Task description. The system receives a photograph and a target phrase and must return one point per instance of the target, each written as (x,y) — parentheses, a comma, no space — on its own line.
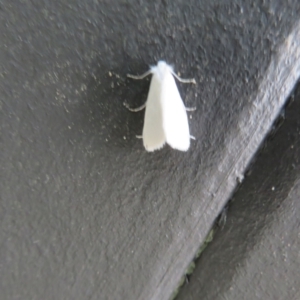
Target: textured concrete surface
(85,212)
(257,253)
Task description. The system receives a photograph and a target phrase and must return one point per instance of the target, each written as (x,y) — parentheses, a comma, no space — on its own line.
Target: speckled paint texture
(86,212)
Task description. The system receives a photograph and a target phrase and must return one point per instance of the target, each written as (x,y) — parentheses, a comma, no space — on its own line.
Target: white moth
(166,119)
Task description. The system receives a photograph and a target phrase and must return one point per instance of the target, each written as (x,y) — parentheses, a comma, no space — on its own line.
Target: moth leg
(192,80)
(139,76)
(190,108)
(139,136)
(135,109)
(192,137)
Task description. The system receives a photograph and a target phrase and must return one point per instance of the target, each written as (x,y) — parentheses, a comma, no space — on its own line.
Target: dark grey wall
(256,254)
(85,212)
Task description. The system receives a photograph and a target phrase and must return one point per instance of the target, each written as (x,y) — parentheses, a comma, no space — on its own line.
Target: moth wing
(175,120)
(153,133)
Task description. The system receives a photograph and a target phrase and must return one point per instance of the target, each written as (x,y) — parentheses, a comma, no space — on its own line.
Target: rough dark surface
(257,253)
(85,212)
